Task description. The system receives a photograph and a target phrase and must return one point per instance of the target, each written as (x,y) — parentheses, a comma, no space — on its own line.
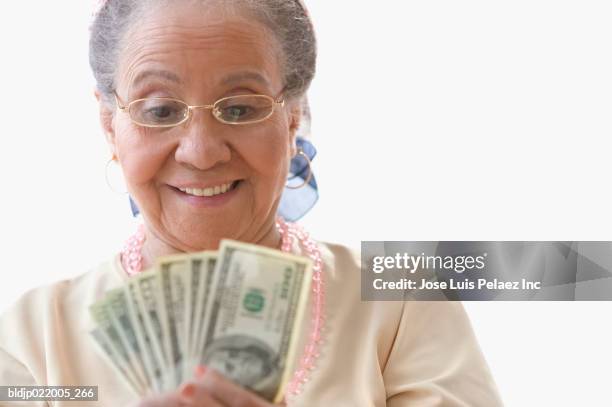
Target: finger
(194,394)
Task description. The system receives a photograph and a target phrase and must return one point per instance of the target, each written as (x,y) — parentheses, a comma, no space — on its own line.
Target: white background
(435,120)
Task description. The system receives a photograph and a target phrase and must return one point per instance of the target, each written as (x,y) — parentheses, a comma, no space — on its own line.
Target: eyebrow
(141,76)
(245,75)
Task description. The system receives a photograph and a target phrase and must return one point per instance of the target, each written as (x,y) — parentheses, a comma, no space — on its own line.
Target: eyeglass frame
(126,109)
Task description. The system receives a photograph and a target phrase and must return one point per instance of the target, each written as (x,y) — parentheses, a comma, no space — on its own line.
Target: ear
(295,119)
(107,122)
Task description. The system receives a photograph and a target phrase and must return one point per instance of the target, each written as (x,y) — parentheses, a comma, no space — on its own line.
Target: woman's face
(200,57)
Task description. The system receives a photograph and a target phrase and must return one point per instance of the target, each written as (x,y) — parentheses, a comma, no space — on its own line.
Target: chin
(206,234)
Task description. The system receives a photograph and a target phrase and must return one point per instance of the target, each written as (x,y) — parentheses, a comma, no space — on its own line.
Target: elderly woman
(201,102)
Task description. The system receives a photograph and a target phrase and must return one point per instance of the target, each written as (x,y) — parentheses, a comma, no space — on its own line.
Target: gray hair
(287,19)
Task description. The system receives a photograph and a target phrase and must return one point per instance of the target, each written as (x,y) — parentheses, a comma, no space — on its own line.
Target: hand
(208,389)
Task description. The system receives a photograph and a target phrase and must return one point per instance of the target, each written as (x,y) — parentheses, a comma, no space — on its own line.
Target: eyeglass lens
(168,112)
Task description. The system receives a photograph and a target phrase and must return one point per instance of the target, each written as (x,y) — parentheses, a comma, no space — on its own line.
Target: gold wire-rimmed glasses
(163,112)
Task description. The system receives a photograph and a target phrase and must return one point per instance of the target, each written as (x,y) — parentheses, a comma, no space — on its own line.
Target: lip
(206,201)
(209,184)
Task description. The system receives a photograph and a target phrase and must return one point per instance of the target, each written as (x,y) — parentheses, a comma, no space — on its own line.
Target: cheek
(141,157)
(268,155)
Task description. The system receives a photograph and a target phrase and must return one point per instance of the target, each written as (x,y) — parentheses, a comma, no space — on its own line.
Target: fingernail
(188,391)
(199,371)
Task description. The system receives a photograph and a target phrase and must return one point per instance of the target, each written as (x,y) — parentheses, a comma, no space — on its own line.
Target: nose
(202,144)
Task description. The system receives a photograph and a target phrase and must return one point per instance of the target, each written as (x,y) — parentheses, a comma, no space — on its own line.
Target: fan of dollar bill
(237,311)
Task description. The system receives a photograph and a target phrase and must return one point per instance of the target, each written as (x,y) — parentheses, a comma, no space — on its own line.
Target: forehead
(199,45)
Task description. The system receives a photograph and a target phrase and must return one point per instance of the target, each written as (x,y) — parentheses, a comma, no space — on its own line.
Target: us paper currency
(118,311)
(254,313)
(154,359)
(204,264)
(151,306)
(108,339)
(173,273)
(237,311)
(121,366)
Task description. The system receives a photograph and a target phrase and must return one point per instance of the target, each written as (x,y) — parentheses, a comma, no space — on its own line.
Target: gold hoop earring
(309,177)
(112,159)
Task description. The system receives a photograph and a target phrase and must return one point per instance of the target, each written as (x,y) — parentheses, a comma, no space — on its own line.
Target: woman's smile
(216,195)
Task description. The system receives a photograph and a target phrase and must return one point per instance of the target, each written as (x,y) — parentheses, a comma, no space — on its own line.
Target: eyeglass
(170,112)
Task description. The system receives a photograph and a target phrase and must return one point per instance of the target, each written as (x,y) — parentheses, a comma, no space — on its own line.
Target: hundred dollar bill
(153,359)
(126,325)
(199,282)
(121,366)
(173,272)
(152,309)
(254,314)
(109,339)
(203,293)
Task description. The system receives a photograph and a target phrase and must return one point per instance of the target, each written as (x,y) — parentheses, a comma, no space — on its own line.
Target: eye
(243,108)
(236,113)
(159,111)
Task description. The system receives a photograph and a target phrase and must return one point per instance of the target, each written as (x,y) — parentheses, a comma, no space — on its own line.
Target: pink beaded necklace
(131,260)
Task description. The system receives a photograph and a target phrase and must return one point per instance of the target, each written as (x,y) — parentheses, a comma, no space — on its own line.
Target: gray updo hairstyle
(287,19)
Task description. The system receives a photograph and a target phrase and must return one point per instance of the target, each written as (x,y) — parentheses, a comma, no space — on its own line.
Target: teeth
(212,191)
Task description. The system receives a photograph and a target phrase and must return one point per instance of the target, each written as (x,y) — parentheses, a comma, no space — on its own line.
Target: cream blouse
(392,354)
